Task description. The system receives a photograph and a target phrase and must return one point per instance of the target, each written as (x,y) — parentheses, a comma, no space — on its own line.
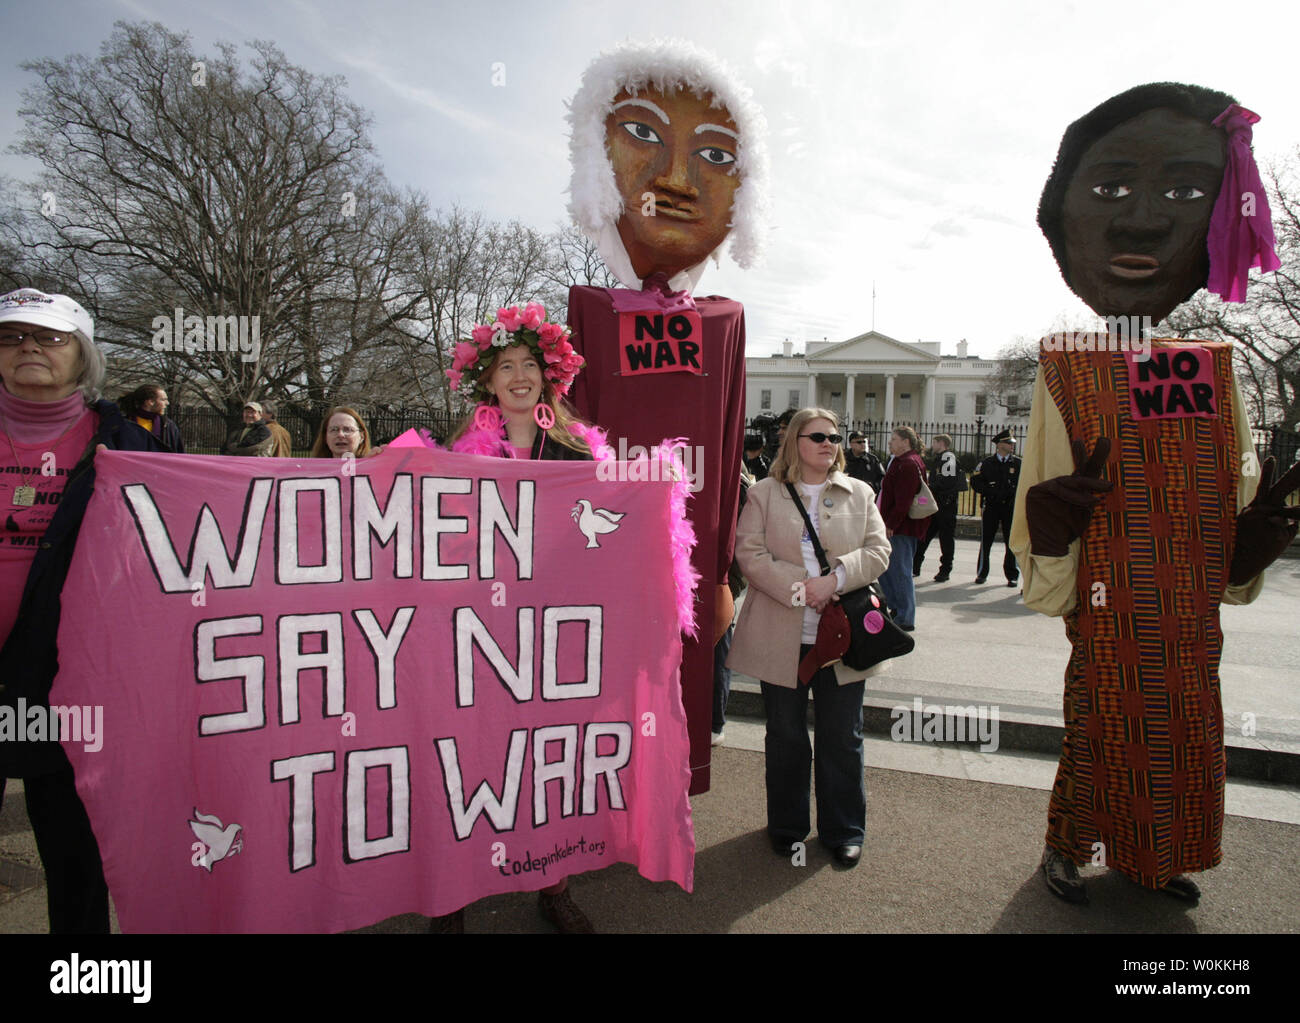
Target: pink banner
(336,691)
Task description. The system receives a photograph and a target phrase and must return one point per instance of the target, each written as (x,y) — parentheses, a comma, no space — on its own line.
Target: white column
(927,412)
(848,399)
(812,391)
(888,414)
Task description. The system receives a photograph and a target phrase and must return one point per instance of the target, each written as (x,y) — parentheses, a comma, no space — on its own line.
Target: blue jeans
(897,580)
(721,678)
(841,789)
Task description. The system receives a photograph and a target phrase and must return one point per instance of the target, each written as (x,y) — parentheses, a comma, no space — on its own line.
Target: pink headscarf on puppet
(1241,226)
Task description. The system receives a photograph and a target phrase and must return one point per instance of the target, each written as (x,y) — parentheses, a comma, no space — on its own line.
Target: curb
(1247,762)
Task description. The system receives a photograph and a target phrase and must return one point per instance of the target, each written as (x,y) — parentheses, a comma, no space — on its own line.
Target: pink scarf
(1241,226)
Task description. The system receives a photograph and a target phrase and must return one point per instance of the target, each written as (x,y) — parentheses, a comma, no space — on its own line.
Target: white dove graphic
(594,521)
(220,841)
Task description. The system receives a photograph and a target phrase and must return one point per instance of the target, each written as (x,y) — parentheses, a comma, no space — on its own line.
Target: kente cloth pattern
(1142,764)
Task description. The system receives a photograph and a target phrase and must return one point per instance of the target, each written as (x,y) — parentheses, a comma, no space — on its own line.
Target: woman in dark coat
(50,374)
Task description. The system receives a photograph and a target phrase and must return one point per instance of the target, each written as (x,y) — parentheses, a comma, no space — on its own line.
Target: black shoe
(784,846)
(563,913)
(916,573)
(942,577)
(848,856)
(1184,888)
(1013,582)
(981,579)
(452,923)
(907,628)
(1062,877)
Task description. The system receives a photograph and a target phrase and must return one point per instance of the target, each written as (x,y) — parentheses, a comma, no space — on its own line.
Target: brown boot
(564,913)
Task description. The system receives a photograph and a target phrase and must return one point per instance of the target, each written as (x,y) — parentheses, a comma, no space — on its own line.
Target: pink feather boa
(477,441)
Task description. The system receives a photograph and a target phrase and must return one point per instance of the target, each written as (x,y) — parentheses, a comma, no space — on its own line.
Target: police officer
(946,482)
(862,464)
(995,481)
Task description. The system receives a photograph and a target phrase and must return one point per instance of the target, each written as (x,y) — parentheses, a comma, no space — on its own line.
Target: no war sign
(334,696)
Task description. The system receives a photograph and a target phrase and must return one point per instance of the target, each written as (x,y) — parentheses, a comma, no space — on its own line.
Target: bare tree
(179,182)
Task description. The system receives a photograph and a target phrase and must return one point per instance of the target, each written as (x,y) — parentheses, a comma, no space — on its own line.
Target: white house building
(878,378)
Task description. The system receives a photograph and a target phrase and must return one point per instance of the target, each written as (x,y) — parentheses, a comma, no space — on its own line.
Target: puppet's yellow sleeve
(1049,583)
(1246,487)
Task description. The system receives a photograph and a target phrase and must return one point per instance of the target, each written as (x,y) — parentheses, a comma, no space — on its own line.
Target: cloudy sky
(909,141)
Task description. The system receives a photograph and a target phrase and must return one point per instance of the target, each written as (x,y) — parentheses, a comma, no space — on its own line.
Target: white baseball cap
(58,312)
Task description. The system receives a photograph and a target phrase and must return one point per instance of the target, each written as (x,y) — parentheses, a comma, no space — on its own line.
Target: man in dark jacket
(946,482)
(756,462)
(862,464)
(253,438)
(995,480)
(146,406)
(77,892)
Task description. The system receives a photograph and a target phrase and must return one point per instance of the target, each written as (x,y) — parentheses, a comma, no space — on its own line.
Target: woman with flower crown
(519,368)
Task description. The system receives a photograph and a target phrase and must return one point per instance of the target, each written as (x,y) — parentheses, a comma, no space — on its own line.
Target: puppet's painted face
(682,151)
(1137,212)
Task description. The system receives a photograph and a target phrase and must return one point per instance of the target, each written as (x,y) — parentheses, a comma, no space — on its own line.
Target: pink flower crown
(548,341)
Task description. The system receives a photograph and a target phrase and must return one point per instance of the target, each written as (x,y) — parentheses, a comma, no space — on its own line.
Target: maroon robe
(708,409)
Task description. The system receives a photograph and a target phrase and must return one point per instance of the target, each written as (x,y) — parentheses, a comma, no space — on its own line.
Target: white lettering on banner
(209,554)
(301,773)
(294,660)
(395,764)
(368,519)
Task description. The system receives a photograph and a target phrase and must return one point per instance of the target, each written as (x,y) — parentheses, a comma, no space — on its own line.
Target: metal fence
(205,429)
(972,442)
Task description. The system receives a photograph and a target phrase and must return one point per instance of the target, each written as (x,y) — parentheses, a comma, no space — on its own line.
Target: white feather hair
(662,65)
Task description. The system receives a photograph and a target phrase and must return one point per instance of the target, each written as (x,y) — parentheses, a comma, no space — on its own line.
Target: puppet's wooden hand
(1265,526)
(1058,509)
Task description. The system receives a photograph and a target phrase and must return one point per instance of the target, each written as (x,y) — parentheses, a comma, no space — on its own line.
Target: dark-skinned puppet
(668,160)
(1142,505)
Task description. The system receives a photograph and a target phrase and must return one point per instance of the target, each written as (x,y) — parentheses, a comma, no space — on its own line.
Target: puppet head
(1133,208)
(668,159)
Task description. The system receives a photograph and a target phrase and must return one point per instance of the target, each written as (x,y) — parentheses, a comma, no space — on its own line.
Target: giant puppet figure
(668,160)
(1142,505)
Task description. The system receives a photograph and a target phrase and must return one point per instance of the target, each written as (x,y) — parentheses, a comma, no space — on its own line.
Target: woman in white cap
(51,422)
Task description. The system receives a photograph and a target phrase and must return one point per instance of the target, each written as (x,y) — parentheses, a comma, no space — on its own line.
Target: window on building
(981,404)
(794,400)
(949,405)
(905,404)
(765,400)
(869,404)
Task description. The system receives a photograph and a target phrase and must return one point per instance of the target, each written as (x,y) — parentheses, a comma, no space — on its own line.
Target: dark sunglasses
(822,438)
(13,338)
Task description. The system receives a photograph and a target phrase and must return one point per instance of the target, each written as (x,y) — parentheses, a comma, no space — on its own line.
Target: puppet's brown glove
(1057,510)
(1266,525)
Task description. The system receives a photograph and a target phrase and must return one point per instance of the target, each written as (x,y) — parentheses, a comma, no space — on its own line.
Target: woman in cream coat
(778,625)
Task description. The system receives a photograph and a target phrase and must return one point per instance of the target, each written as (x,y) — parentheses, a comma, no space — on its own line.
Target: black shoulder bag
(858,629)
